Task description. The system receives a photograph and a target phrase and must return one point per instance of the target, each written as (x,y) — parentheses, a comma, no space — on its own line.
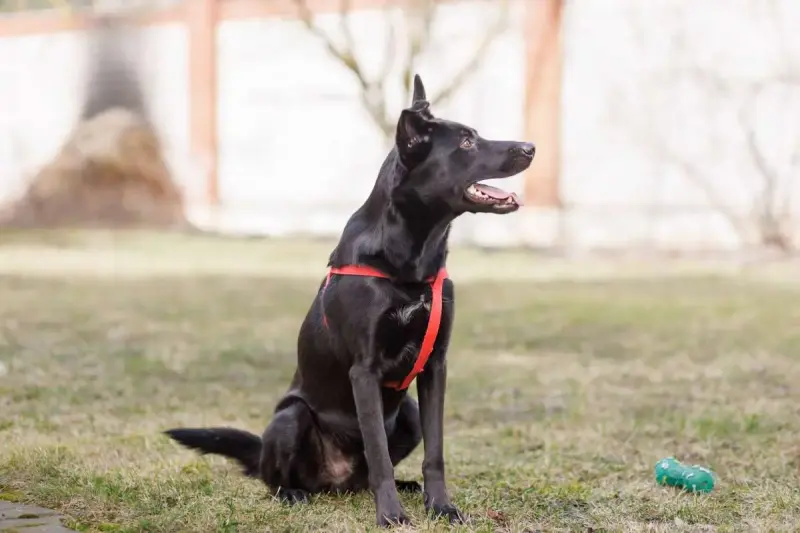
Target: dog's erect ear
(419,90)
(413,137)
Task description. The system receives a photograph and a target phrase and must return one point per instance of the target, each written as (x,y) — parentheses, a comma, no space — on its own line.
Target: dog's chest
(404,324)
(404,314)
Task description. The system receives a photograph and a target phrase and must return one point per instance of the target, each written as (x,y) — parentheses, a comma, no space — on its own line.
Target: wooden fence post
(543,101)
(201,21)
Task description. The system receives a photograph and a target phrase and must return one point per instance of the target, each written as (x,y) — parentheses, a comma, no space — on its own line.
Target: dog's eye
(467,143)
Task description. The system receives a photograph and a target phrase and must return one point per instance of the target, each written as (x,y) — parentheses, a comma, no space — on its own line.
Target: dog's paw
(448,511)
(393,519)
(293,496)
(407,486)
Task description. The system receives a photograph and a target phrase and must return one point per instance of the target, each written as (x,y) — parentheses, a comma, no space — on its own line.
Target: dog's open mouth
(481,194)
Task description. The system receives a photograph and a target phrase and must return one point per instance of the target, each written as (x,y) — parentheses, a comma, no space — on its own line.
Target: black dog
(384,312)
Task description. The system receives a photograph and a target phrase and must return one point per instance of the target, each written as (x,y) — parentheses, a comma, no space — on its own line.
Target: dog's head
(446,161)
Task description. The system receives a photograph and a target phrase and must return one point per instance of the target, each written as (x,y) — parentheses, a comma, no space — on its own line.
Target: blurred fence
(666,124)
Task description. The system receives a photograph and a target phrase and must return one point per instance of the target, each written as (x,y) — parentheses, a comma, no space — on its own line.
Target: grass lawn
(562,395)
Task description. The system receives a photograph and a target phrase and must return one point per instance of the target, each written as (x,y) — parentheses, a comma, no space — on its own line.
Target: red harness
(434,321)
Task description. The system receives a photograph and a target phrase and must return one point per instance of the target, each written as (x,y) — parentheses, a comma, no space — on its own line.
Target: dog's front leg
(431,386)
(369,407)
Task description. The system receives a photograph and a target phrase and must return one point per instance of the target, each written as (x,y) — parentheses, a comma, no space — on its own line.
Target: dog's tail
(242,446)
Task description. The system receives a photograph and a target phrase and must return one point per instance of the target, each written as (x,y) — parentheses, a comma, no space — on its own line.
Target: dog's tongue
(497,194)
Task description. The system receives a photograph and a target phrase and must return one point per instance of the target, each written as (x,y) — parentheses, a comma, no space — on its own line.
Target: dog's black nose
(526,149)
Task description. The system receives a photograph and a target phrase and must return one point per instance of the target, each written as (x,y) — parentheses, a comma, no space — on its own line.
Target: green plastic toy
(694,478)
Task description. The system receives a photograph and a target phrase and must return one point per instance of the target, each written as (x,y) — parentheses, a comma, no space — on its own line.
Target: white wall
(41,83)
(299,154)
(643,125)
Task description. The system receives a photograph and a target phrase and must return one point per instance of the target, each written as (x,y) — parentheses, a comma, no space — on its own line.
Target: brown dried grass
(110,173)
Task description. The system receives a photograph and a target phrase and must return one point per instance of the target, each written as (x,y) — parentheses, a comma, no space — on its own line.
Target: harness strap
(434,321)
(350,270)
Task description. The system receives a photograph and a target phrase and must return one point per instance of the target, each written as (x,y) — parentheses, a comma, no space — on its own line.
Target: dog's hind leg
(405,438)
(290,460)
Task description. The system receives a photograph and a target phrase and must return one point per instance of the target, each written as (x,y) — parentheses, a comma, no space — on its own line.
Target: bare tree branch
(373,102)
(771,206)
(643,130)
(788,198)
(419,17)
(700,180)
(771,177)
(390,50)
(789,78)
(477,58)
(768,215)
(344,25)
